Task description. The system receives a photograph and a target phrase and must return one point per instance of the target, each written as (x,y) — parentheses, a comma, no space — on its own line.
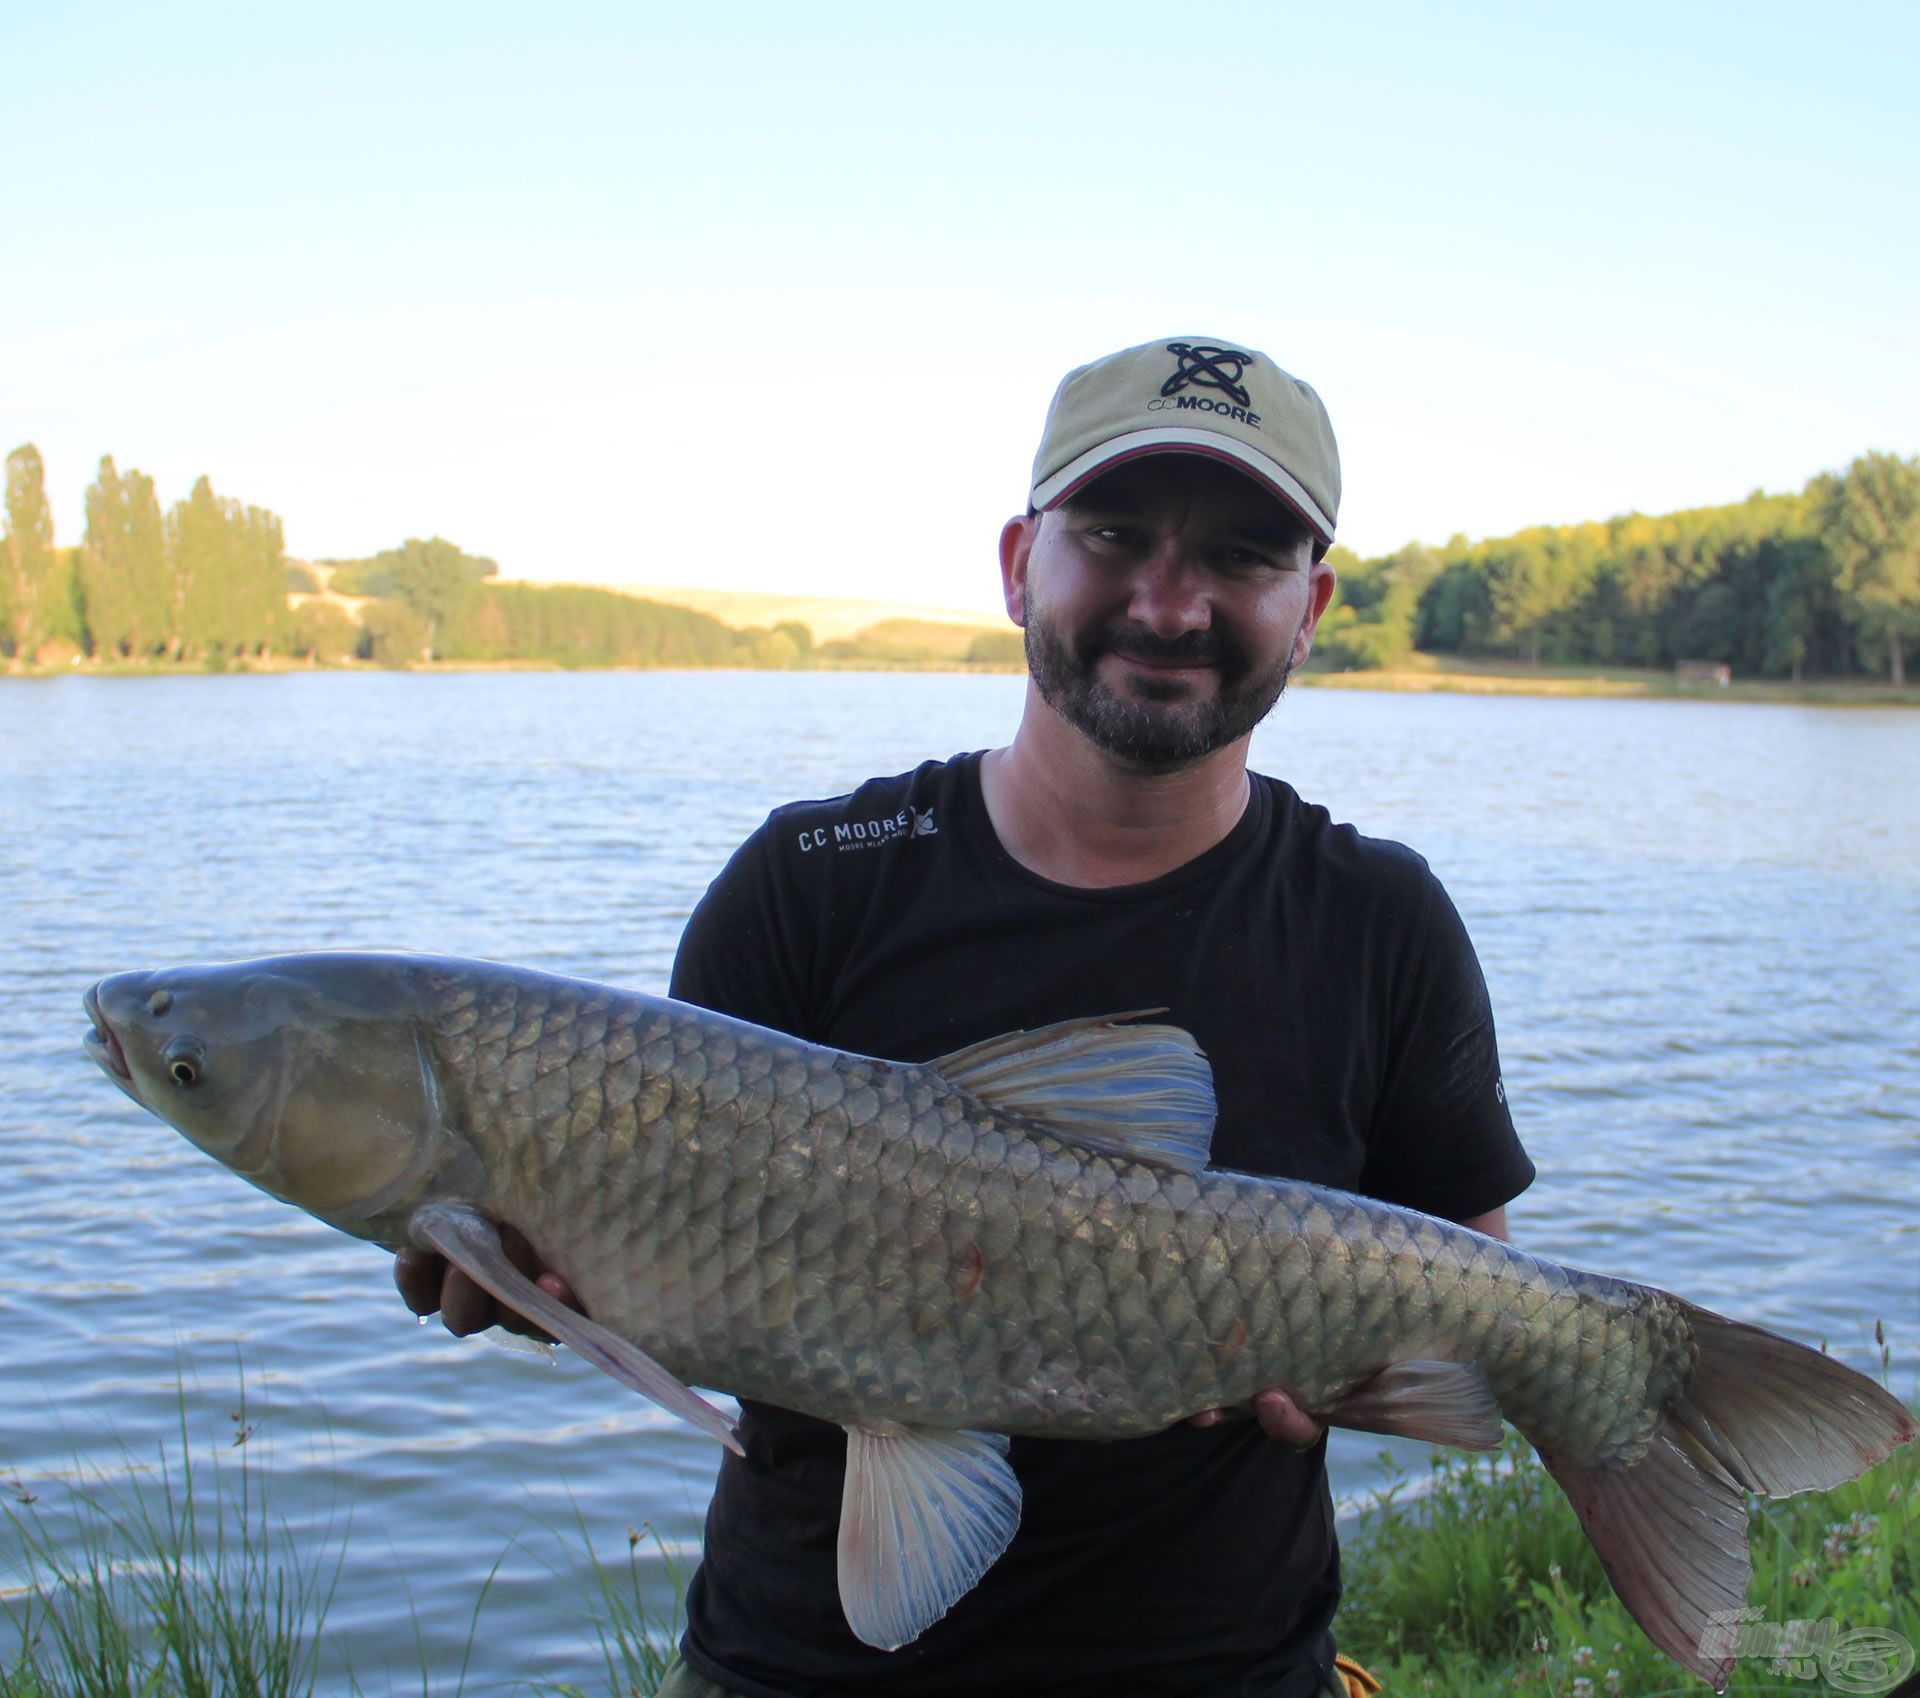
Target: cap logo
(1203,367)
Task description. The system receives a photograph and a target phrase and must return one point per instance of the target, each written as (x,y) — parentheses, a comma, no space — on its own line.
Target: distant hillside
(829,618)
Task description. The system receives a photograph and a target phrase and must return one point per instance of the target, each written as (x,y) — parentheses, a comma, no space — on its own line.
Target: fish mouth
(102,1043)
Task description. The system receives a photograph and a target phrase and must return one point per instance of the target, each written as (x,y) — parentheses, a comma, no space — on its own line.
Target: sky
(774,298)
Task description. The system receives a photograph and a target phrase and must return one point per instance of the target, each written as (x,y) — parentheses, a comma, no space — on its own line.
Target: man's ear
(1016,543)
(1321,581)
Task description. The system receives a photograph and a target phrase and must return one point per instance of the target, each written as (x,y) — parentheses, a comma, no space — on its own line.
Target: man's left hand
(1279,1417)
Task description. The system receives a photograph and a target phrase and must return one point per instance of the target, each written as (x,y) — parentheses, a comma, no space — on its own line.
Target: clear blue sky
(775,297)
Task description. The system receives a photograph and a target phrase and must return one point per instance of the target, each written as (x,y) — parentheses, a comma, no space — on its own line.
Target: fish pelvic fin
(924,1513)
(1758,1414)
(472,1243)
(1136,1092)
(1440,1402)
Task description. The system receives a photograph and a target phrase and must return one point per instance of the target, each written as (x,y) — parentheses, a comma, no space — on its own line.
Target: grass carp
(1019,1238)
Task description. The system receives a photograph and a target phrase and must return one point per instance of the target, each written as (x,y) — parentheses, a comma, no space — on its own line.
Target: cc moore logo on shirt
(868,833)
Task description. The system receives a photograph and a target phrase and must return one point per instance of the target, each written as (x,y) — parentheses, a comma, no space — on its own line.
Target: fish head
(309,1076)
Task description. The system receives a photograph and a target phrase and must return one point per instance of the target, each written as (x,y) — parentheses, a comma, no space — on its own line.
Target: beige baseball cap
(1193,395)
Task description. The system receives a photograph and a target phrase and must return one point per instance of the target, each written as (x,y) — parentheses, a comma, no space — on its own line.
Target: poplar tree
(103,574)
(124,576)
(198,548)
(28,565)
(149,571)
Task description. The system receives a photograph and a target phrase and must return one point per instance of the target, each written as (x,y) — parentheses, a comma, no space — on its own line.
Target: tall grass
(637,1636)
(175,1579)
(174,1582)
(1472,1582)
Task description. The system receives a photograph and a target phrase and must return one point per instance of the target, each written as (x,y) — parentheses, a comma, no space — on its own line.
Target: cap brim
(1138,444)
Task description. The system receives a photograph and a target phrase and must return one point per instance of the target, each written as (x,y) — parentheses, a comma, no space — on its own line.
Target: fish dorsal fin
(1141,1093)
(925,1512)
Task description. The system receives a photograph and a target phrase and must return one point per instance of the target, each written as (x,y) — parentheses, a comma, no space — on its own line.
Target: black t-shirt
(1333,988)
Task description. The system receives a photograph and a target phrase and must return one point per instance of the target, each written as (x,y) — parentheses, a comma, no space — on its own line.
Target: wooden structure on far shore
(1703,672)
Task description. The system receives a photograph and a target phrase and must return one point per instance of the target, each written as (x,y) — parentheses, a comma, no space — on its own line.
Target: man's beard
(1158,735)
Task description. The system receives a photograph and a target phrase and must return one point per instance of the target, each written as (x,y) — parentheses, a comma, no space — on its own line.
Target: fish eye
(184,1059)
(159,1003)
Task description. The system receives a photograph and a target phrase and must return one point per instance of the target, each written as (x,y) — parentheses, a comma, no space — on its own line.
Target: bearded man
(1115,855)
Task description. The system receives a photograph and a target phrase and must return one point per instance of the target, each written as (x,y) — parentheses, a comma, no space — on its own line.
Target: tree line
(205,580)
(208,582)
(1823,582)
(1777,586)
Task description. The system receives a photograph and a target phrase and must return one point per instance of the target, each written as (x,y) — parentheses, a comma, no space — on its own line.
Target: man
(1169,575)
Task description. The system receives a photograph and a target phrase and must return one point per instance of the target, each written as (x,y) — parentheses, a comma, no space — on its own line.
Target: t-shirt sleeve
(748,947)
(1442,1139)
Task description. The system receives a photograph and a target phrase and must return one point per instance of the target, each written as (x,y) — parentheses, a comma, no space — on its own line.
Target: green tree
(1870,516)
(103,583)
(391,632)
(434,578)
(229,565)
(124,575)
(1534,579)
(1376,607)
(198,549)
(321,632)
(28,566)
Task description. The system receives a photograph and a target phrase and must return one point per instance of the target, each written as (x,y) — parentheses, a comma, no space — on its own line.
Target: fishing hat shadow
(1193,396)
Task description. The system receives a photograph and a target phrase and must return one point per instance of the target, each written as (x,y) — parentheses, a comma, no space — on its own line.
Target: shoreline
(1487,678)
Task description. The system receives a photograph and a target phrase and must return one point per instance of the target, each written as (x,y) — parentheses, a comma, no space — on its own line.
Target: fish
(1021,1238)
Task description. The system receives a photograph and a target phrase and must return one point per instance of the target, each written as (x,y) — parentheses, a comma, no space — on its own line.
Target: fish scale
(1021,1238)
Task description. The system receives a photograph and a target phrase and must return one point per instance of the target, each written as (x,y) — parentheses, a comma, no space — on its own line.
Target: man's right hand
(430,1284)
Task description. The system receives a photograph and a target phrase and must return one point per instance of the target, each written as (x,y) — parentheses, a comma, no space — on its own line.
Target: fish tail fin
(1759,1414)
(1780,1418)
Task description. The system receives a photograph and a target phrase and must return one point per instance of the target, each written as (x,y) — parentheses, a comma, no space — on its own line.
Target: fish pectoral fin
(1141,1093)
(472,1243)
(1440,1402)
(924,1513)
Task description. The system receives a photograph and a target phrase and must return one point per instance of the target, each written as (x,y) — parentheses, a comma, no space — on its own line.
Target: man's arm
(1493,1223)
(1283,1419)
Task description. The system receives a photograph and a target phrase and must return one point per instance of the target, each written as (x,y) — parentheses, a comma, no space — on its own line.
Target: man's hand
(430,1283)
(1279,1417)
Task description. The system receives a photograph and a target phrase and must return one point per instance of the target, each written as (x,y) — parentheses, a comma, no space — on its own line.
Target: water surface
(1700,923)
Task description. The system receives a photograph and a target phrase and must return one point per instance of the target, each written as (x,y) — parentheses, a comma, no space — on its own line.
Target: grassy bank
(1482,1583)
(1470,1582)
(1454,674)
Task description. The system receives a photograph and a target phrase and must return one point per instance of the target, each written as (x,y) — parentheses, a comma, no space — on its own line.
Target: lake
(1700,923)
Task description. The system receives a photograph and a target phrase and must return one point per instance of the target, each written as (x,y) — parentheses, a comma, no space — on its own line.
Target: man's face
(1164,606)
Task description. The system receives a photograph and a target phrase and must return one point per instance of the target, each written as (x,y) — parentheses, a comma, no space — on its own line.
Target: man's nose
(1170,595)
